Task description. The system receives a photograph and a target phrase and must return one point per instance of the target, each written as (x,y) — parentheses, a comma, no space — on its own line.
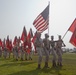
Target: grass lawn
(12,67)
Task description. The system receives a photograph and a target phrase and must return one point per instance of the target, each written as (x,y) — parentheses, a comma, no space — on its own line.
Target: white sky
(15,14)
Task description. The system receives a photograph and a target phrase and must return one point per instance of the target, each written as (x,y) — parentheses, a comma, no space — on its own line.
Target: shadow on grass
(46,71)
(33,72)
(53,70)
(19,63)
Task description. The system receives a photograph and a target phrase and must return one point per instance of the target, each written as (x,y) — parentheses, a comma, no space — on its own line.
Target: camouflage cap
(59,36)
(38,32)
(46,35)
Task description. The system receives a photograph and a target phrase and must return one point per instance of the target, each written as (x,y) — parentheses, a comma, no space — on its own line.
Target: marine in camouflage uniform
(46,47)
(29,49)
(0,48)
(4,49)
(59,51)
(39,48)
(25,48)
(53,51)
(0,51)
(16,47)
(22,52)
(13,51)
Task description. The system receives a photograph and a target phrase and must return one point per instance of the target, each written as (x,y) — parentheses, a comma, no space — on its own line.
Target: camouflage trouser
(5,53)
(0,53)
(17,55)
(22,54)
(14,52)
(8,53)
(46,55)
(26,55)
(40,54)
(59,53)
(54,55)
(30,55)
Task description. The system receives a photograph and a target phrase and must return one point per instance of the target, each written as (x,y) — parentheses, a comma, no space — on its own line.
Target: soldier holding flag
(46,44)
(59,46)
(29,49)
(22,51)
(39,48)
(7,46)
(0,48)
(53,50)
(25,47)
(4,49)
(16,47)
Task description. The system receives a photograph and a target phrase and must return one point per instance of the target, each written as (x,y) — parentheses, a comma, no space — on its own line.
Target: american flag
(42,20)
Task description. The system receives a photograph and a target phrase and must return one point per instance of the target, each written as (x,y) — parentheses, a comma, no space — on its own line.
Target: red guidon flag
(33,40)
(42,21)
(7,42)
(73,38)
(73,26)
(0,43)
(3,44)
(24,34)
(30,34)
(15,39)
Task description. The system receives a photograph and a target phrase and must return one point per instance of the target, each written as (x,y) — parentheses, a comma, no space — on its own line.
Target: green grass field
(12,67)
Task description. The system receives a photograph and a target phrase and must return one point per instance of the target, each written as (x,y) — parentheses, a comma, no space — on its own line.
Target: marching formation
(43,47)
(19,50)
(49,46)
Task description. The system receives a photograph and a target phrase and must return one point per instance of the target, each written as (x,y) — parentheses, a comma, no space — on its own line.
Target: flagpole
(69,28)
(65,34)
(48,16)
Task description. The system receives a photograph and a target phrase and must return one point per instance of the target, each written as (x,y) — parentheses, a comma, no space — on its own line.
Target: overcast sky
(15,14)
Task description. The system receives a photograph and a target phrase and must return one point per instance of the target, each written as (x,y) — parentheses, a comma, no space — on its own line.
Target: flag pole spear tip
(49,2)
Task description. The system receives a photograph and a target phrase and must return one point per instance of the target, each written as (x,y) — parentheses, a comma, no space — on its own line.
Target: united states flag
(42,20)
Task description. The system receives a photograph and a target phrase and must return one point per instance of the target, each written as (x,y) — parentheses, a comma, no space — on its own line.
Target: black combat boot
(46,65)
(16,59)
(61,64)
(58,64)
(54,64)
(39,66)
(22,59)
(9,56)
